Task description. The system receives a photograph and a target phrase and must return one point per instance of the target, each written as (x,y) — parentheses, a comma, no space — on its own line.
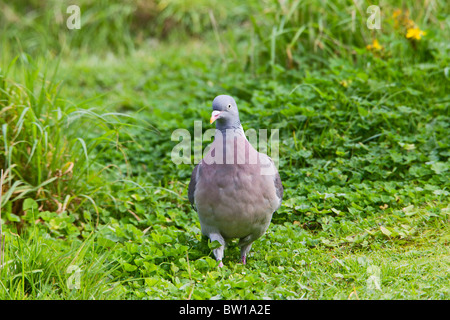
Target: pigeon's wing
(278,187)
(192,184)
(276,180)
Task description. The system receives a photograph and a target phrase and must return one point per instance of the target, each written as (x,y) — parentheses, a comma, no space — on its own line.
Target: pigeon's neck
(224,126)
(231,146)
(230,131)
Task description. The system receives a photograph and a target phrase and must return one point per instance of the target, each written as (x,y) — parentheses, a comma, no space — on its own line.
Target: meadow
(93,207)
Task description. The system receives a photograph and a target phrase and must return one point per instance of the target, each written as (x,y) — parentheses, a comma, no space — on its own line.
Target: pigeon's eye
(229,106)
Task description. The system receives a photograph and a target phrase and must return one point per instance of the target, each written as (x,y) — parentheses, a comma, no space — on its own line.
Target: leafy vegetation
(92,206)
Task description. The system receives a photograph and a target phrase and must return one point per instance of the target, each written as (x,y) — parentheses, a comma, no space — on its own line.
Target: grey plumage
(191,188)
(234,189)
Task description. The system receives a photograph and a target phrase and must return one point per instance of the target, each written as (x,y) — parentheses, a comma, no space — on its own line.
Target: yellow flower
(415,33)
(345,83)
(375,45)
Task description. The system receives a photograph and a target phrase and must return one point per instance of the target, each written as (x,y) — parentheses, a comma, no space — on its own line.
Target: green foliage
(43,153)
(85,145)
(39,267)
(292,34)
(112,25)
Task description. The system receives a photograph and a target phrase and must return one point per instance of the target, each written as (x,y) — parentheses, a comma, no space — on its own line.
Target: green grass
(85,147)
(42,268)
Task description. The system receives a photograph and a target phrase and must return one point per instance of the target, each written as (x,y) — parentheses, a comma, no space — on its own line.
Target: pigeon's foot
(244,260)
(220,264)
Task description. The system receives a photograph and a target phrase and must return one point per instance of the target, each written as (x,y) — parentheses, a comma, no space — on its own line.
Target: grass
(44,157)
(90,186)
(45,269)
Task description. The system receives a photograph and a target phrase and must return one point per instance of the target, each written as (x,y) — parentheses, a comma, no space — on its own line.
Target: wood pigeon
(234,189)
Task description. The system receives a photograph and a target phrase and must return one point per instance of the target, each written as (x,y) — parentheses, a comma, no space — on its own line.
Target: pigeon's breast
(238,198)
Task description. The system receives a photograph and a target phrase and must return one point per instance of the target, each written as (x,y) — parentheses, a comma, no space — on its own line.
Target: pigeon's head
(225,113)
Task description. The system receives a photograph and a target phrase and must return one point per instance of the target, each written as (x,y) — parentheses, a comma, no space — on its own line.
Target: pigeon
(234,189)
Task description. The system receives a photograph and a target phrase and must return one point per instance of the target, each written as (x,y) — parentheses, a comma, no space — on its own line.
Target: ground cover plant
(93,207)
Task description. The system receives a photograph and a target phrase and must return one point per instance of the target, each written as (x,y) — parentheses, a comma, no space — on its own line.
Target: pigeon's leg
(245,244)
(218,253)
(244,251)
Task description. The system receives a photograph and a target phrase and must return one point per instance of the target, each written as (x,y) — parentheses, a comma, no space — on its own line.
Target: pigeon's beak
(215,114)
